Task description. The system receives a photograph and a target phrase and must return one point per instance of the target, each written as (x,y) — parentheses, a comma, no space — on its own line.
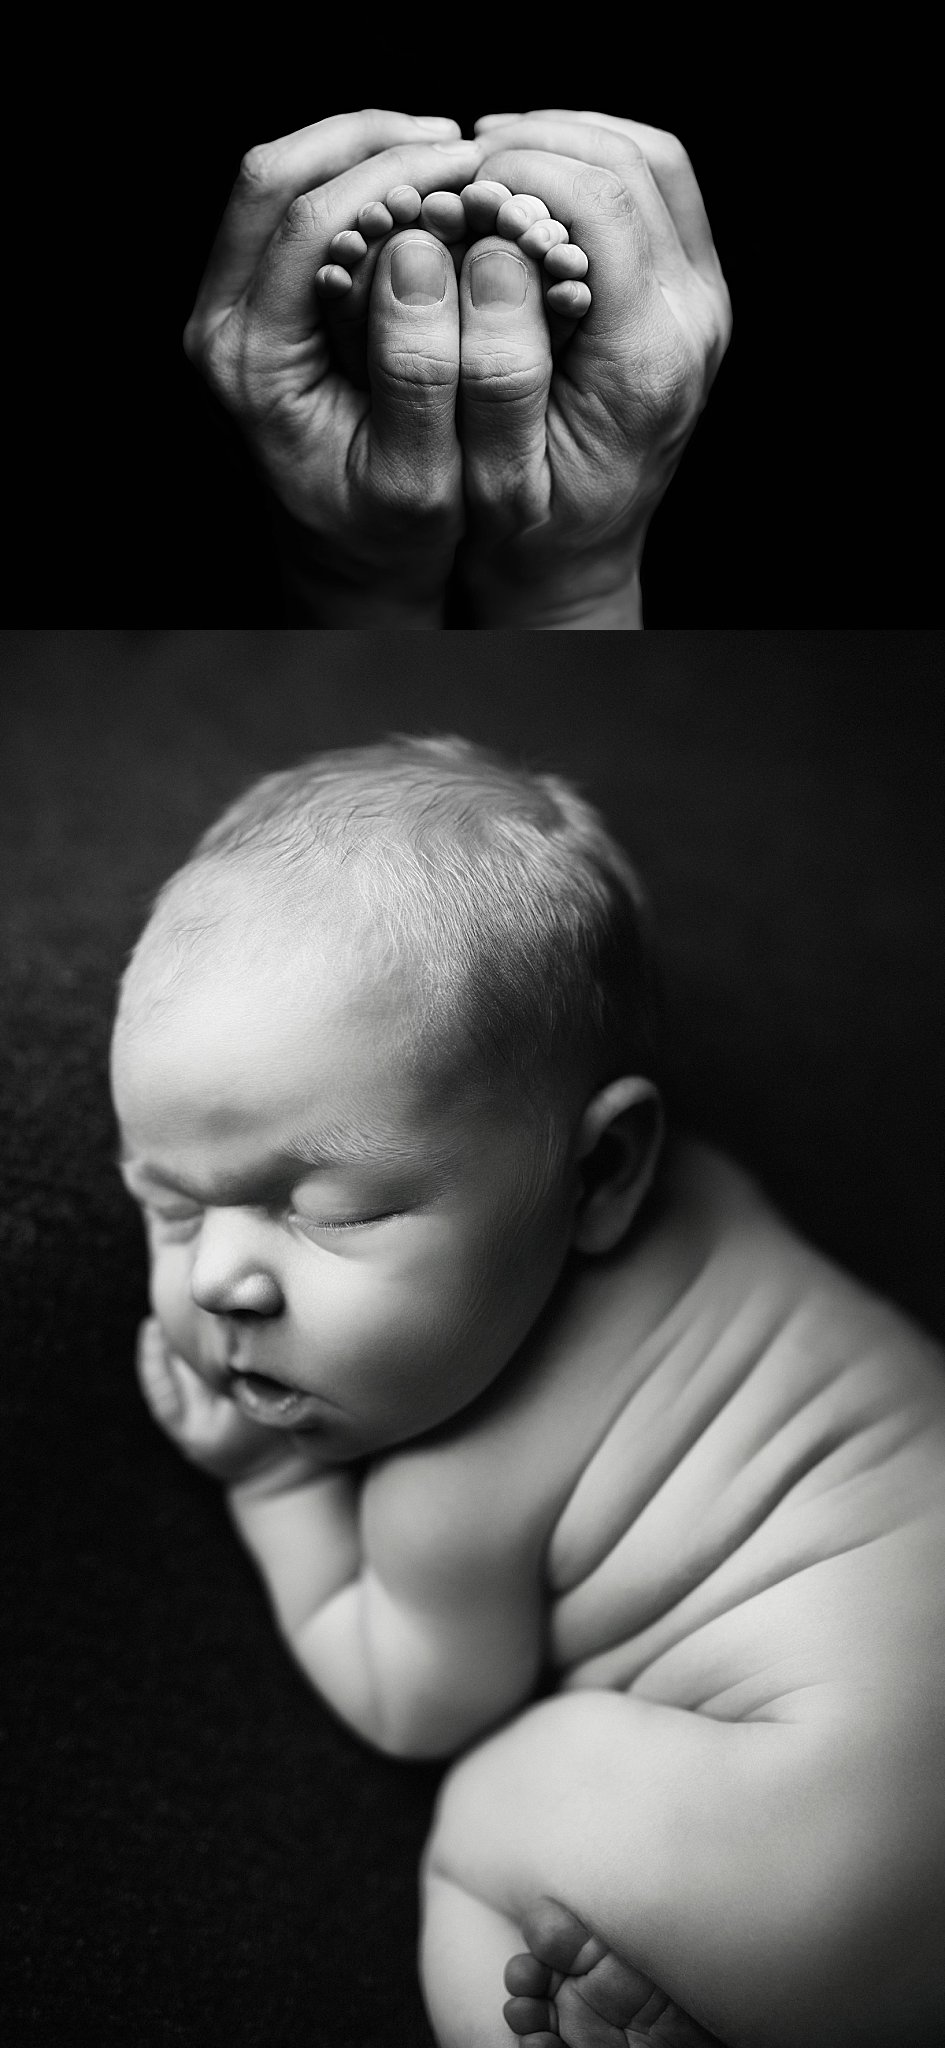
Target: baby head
(383,1059)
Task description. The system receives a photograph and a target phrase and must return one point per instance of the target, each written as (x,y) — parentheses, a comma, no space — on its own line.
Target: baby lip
(271,1401)
(263,1381)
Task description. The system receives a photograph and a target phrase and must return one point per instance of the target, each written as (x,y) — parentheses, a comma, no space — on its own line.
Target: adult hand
(371,480)
(562,479)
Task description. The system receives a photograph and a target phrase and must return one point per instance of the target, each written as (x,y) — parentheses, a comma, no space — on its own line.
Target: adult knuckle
(668,152)
(259,170)
(194,341)
(201,347)
(300,219)
(724,321)
(631,154)
(217,355)
(605,190)
(504,376)
(416,374)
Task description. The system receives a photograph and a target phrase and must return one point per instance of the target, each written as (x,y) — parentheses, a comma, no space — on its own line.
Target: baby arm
(418,1642)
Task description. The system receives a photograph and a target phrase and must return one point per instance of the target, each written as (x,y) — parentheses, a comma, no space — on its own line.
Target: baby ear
(618,1145)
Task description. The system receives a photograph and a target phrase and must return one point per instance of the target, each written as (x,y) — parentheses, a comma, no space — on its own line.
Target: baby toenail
(418,273)
(497,278)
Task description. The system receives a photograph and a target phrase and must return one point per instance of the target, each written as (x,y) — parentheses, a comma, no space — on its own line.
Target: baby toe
(403,204)
(332,281)
(348,247)
(569,297)
(520,212)
(542,236)
(526,1977)
(530,2016)
(374,220)
(565,259)
(559,1939)
(481,203)
(445,215)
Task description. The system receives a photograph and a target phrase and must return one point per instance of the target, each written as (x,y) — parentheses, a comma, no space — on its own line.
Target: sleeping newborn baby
(553,1444)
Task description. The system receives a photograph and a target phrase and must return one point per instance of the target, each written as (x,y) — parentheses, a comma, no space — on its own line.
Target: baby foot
(491,209)
(571,1991)
(343,284)
(354,251)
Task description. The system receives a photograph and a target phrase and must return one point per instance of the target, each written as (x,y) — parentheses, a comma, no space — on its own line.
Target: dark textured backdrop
(194,1851)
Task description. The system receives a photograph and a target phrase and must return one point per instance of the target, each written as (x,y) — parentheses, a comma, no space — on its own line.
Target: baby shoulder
(445,1515)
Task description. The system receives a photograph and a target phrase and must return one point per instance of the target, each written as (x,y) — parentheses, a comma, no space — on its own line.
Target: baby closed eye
(316,1225)
(178,1224)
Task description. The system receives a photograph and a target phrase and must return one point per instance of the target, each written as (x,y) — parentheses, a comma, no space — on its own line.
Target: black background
(193,1851)
(802,500)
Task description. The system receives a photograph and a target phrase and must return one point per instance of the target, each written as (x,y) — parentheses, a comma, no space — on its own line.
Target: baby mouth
(268,1400)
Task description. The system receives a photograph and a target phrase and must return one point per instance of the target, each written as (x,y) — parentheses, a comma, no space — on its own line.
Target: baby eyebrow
(222,1194)
(271,1183)
(135,1171)
(333,1150)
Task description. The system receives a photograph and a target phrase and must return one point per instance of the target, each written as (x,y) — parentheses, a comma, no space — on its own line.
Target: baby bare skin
(697,1482)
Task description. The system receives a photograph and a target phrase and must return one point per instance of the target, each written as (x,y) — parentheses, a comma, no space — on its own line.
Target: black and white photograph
(709,401)
(472,1194)
(474,1401)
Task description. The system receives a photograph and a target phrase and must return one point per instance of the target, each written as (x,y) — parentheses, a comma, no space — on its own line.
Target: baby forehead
(280,1012)
(273,998)
(240,927)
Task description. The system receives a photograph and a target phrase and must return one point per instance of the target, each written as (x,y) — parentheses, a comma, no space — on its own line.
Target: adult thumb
(413,369)
(504,381)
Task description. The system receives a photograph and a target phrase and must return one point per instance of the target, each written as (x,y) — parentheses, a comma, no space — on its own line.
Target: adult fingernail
(418,272)
(498,278)
(437,124)
(461,148)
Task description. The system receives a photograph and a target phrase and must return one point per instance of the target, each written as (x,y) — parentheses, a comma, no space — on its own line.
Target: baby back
(760,1525)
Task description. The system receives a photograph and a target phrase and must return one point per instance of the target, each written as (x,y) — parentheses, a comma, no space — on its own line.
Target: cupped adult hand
(371,481)
(562,479)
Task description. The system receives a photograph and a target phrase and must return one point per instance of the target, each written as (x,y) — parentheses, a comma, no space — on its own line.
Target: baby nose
(229,1280)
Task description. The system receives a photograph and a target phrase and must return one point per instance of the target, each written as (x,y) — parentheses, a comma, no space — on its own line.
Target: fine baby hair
(525,928)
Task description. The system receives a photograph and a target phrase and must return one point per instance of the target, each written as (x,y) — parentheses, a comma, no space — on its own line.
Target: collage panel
(474,1404)
(726,355)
